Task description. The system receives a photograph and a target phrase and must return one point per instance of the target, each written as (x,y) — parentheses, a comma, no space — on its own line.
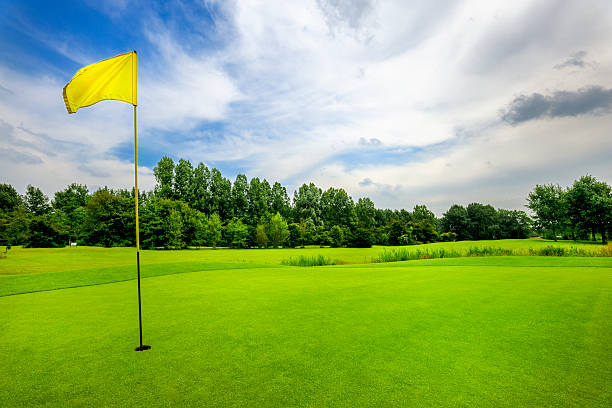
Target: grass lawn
(235,328)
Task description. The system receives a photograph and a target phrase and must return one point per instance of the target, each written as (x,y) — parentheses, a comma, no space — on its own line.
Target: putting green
(508,331)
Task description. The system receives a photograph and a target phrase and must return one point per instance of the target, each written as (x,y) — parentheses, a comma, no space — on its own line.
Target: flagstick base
(142,348)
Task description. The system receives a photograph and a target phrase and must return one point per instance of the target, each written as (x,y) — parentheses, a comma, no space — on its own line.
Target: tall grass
(301,260)
(403,254)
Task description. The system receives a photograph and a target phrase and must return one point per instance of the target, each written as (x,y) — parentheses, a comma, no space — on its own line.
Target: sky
(405,102)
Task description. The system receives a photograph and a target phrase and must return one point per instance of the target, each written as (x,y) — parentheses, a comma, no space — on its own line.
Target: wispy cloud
(575,60)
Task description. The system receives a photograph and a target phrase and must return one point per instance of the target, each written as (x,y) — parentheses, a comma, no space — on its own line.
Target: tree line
(196,206)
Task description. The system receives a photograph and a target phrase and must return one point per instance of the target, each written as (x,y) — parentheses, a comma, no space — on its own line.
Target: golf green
(498,331)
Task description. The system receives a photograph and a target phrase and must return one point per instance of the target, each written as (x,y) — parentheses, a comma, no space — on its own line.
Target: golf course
(232,327)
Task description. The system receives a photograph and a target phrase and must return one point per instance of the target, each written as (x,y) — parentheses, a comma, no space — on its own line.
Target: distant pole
(141,347)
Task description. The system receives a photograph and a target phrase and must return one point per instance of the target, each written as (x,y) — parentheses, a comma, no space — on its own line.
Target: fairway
(235,328)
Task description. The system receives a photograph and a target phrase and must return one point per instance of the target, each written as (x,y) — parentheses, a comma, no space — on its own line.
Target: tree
(337,237)
(183,181)
(72,201)
(277,230)
(201,200)
(220,194)
(240,199)
(280,202)
(15,226)
(589,205)
(9,198)
(513,224)
(482,221)
(48,231)
(261,238)
(164,174)
(71,198)
(456,220)
(36,201)
(337,208)
(307,204)
(365,212)
(110,220)
(549,204)
(396,229)
(237,233)
(421,213)
(361,238)
(215,228)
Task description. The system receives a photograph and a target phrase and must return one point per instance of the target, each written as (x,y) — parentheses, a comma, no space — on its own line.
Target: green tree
(307,204)
(201,200)
(174,230)
(215,229)
(277,230)
(15,226)
(337,208)
(261,238)
(237,233)
(456,220)
(183,182)
(513,224)
(10,200)
(110,220)
(366,213)
(589,205)
(73,201)
(549,204)
(258,200)
(482,221)
(164,175)
(280,202)
(240,199)
(337,236)
(48,231)
(36,201)
(221,195)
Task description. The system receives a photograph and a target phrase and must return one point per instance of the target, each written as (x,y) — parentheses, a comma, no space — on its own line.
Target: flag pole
(141,347)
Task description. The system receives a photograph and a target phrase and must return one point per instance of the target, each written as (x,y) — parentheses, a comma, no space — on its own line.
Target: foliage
(36,201)
(214,228)
(48,231)
(237,233)
(261,238)
(277,230)
(549,204)
(269,218)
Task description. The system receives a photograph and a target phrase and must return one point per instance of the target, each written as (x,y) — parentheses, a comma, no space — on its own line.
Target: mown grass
(470,331)
(28,261)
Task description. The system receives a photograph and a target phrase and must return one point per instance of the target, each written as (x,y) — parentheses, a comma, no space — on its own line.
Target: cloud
(95,171)
(366,182)
(397,100)
(575,59)
(372,142)
(594,100)
(14,156)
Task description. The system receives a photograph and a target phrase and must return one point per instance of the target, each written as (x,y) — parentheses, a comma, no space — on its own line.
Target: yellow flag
(113,78)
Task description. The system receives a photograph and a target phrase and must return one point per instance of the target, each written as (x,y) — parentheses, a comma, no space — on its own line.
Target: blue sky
(406,102)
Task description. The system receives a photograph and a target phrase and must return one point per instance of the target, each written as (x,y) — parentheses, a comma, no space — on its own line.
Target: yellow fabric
(113,78)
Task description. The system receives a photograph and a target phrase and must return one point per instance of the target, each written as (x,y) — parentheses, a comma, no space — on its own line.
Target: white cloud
(296,85)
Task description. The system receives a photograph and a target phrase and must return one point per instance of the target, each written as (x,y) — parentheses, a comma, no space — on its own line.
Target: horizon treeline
(196,206)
